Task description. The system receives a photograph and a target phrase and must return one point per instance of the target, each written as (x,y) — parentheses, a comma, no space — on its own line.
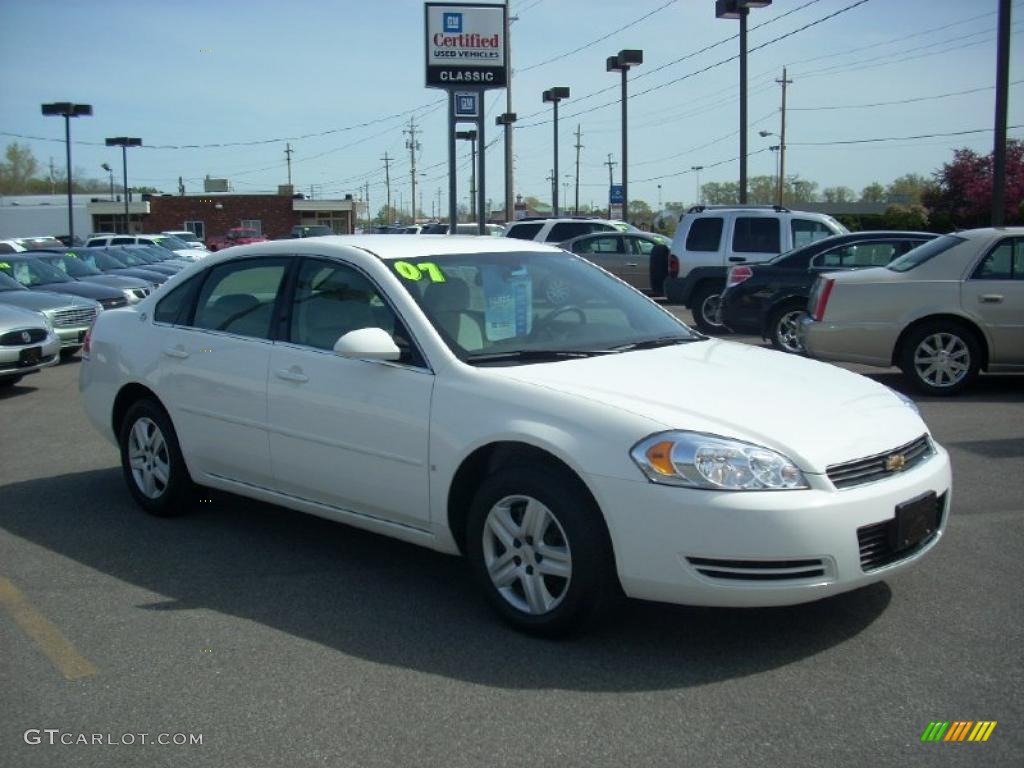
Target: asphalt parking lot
(285,639)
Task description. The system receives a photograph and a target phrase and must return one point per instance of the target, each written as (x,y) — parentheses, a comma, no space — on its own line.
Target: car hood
(158,278)
(116,281)
(815,413)
(43,301)
(18,317)
(85,290)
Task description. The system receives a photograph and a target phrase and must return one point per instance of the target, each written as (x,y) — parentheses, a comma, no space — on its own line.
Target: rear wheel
(706,305)
(784,328)
(151,461)
(540,551)
(940,357)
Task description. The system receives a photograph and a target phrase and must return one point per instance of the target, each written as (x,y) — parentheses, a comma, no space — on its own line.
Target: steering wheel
(543,324)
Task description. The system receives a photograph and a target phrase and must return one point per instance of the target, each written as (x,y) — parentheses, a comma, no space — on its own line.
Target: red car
(235,236)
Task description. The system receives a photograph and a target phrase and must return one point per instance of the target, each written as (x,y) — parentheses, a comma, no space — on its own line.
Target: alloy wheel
(527,554)
(149,458)
(942,359)
(788,331)
(711,310)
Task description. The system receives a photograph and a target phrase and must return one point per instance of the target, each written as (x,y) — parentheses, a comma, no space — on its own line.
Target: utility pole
(51,177)
(1002,85)
(288,159)
(366,186)
(578,148)
(611,164)
(387,184)
(554,184)
(782,141)
(439,208)
(472,179)
(413,146)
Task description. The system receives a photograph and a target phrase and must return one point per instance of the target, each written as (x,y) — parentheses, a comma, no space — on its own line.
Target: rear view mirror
(367,344)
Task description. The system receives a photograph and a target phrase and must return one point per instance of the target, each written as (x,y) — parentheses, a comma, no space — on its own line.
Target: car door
(638,262)
(607,251)
(994,292)
(350,434)
(213,371)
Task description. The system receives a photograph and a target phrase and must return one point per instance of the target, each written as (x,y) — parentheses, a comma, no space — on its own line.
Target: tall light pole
(697,169)
(738,9)
(508,118)
(124,142)
(621,63)
(106,167)
(67,110)
(555,95)
(470,136)
(1002,85)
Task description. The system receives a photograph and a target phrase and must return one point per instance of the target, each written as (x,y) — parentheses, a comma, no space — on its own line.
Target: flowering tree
(962,195)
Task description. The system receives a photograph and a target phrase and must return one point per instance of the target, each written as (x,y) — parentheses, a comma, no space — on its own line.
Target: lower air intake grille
(876,541)
(758,570)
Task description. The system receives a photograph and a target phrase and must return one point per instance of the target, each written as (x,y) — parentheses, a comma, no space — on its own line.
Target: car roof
(389,247)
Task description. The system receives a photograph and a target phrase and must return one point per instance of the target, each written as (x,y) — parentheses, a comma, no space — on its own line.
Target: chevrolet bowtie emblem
(895,463)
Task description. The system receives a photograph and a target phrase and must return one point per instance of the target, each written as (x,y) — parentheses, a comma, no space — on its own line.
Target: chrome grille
(70,318)
(882,465)
(758,570)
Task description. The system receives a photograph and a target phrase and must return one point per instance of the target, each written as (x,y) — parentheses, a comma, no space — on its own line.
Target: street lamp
(622,63)
(507,119)
(67,110)
(555,95)
(470,136)
(124,142)
(106,167)
(780,163)
(738,9)
(697,169)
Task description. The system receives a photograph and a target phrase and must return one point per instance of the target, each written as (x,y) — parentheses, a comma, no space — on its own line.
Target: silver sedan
(27,344)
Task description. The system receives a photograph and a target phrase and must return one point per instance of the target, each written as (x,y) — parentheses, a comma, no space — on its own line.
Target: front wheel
(940,358)
(151,461)
(784,328)
(540,551)
(707,308)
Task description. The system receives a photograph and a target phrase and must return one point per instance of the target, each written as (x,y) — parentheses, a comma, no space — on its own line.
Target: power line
(899,101)
(893,138)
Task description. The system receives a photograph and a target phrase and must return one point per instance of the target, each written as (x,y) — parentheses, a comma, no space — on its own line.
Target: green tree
(907,189)
(18,169)
(911,217)
(720,192)
(873,193)
(800,191)
(838,194)
(761,190)
(640,212)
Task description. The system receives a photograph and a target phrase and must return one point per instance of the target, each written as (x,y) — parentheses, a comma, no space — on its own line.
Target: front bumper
(11,361)
(73,337)
(773,547)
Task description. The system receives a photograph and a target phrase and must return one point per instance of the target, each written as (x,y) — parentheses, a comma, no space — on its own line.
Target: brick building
(213,214)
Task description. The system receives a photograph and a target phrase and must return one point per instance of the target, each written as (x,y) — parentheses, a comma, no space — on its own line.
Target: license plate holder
(915,521)
(30,356)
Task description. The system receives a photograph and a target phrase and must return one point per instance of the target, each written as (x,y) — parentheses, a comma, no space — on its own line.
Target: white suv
(560,230)
(711,239)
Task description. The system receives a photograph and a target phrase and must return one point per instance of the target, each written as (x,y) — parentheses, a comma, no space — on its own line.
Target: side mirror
(367,344)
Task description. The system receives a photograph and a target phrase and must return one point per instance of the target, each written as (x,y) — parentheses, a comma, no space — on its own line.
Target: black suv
(769,299)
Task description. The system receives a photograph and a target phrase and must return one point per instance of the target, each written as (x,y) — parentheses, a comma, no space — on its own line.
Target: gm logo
(453,22)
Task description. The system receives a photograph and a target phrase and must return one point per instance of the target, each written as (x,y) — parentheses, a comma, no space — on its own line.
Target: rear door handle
(178,352)
(292,374)
(990,298)
(736,258)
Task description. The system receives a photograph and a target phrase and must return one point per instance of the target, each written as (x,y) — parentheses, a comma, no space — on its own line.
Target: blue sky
(188,72)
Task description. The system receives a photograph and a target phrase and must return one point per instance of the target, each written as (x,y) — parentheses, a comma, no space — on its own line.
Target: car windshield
(32,272)
(72,266)
(128,257)
(150,254)
(918,256)
(532,306)
(8,283)
(186,237)
(101,260)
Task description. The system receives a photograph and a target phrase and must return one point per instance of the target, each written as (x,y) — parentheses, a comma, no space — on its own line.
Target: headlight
(48,321)
(906,400)
(697,460)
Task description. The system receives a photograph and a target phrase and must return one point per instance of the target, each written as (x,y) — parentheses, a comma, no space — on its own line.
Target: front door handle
(176,351)
(990,298)
(632,264)
(292,374)
(737,259)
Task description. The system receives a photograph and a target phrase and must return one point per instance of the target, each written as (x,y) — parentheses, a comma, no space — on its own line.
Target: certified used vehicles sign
(465,45)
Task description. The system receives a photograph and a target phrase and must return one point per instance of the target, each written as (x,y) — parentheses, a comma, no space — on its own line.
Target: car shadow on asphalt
(14,391)
(987,388)
(397,604)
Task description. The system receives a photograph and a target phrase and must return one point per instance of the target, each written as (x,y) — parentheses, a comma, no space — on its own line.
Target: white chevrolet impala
(424,388)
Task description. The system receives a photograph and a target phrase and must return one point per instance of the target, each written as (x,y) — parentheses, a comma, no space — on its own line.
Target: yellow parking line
(57,648)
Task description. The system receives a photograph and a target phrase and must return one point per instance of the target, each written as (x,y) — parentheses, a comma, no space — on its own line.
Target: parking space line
(51,642)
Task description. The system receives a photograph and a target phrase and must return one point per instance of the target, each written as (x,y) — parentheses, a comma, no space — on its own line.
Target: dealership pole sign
(466,54)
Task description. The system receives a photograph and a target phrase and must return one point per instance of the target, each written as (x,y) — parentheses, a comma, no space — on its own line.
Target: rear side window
(806,231)
(1004,262)
(756,234)
(122,241)
(705,234)
(174,308)
(569,229)
(524,231)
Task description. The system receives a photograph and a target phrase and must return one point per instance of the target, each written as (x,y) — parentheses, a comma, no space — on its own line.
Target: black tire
(659,269)
(592,586)
(780,331)
(173,497)
(958,360)
(704,304)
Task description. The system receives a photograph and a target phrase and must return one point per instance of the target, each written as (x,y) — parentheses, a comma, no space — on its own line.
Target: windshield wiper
(661,341)
(535,355)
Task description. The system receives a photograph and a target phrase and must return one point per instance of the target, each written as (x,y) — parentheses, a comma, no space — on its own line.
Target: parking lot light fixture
(738,9)
(124,142)
(67,110)
(697,169)
(555,95)
(621,63)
